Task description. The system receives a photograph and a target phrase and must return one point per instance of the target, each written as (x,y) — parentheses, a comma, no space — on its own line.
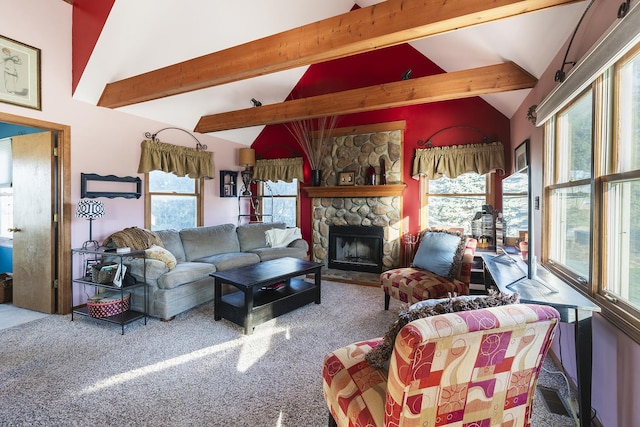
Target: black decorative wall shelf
(228,183)
(85,178)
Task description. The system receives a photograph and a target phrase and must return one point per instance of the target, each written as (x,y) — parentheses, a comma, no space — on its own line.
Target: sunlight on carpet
(190,371)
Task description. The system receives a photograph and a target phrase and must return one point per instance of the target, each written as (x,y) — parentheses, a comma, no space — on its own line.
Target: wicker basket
(108,304)
(103,272)
(6,288)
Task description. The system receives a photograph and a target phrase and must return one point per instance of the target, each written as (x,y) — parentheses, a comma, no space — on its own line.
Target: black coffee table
(265,290)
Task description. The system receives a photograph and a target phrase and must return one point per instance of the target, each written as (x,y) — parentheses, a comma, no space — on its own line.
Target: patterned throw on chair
(476,367)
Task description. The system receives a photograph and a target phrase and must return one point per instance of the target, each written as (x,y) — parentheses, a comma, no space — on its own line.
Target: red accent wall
(88,19)
(422,121)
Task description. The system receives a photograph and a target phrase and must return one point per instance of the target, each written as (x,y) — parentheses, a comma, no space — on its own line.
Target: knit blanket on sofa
(137,239)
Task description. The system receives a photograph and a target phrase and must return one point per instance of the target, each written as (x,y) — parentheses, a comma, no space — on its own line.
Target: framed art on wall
(521,156)
(20,83)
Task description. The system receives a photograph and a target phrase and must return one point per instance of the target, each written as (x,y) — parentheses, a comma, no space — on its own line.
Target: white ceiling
(143,35)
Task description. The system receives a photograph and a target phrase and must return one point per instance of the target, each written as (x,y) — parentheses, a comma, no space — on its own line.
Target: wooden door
(33,239)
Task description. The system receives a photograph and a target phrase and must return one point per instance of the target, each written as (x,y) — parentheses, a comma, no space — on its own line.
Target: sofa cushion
(185,272)
(231,260)
(252,236)
(148,268)
(438,253)
(379,356)
(202,242)
(161,254)
(172,242)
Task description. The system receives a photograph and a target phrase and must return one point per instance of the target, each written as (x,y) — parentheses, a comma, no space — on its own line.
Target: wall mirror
(516,210)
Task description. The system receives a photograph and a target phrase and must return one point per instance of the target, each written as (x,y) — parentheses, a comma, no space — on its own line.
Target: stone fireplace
(357,248)
(366,207)
(363,212)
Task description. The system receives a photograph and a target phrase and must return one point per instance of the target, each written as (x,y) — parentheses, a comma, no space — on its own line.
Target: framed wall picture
(20,84)
(346,178)
(521,156)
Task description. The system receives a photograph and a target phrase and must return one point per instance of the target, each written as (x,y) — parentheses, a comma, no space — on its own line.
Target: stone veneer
(355,153)
(381,211)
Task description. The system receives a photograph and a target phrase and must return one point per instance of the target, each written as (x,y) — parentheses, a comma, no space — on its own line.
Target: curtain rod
(429,143)
(153,137)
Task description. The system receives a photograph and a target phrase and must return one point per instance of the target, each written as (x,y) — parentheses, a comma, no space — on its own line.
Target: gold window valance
(455,160)
(279,170)
(180,161)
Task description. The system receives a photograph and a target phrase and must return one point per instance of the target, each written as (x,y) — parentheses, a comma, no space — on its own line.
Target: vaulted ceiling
(197,64)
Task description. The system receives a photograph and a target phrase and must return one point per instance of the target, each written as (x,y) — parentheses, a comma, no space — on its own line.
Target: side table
(84,279)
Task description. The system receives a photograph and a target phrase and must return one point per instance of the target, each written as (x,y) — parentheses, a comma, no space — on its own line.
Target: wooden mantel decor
(356,190)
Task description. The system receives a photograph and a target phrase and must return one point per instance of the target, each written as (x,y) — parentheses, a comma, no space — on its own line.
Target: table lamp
(90,209)
(247,159)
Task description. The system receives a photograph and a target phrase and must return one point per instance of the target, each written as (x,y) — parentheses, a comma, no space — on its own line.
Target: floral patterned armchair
(476,367)
(441,267)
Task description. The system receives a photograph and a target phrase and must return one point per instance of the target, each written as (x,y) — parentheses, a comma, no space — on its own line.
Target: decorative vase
(383,173)
(316,176)
(371,175)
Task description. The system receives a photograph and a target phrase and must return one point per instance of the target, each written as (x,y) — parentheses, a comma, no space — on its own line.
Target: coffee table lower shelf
(267,304)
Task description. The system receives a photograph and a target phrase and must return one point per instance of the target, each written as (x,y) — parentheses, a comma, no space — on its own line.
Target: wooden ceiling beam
(389,23)
(439,87)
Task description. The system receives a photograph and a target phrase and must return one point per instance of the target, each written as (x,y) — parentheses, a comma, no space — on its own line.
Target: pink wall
(616,357)
(422,121)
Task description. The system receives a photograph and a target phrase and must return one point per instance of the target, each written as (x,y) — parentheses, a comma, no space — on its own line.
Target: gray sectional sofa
(198,252)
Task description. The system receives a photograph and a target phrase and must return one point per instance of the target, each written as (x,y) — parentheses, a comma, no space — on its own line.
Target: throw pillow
(379,356)
(440,252)
(277,238)
(161,254)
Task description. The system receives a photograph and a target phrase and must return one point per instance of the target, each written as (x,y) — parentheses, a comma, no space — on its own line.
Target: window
(6,190)
(592,235)
(570,192)
(6,212)
(515,204)
(621,191)
(454,202)
(284,204)
(172,201)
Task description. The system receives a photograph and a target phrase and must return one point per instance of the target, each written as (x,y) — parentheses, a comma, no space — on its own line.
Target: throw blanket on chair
(137,239)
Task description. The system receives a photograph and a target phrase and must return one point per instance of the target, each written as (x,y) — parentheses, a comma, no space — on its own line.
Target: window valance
(455,160)
(279,170)
(175,159)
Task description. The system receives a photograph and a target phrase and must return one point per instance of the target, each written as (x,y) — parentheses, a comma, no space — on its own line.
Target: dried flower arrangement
(314,137)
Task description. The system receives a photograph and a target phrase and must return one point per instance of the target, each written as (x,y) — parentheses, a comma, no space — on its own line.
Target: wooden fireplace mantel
(338,191)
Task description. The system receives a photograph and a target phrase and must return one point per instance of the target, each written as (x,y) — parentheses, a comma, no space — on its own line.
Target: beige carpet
(192,371)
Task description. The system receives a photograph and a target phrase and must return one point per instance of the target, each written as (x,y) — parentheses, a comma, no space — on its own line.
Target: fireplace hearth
(356,248)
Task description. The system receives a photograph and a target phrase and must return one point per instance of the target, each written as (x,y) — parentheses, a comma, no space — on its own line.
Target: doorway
(61,219)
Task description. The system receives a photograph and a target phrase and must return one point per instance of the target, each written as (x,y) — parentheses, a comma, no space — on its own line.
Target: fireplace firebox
(356,248)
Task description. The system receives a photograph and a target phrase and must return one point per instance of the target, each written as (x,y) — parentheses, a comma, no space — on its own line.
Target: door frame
(63,247)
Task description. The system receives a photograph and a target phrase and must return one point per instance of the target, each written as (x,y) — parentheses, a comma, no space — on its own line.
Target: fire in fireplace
(356,247)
